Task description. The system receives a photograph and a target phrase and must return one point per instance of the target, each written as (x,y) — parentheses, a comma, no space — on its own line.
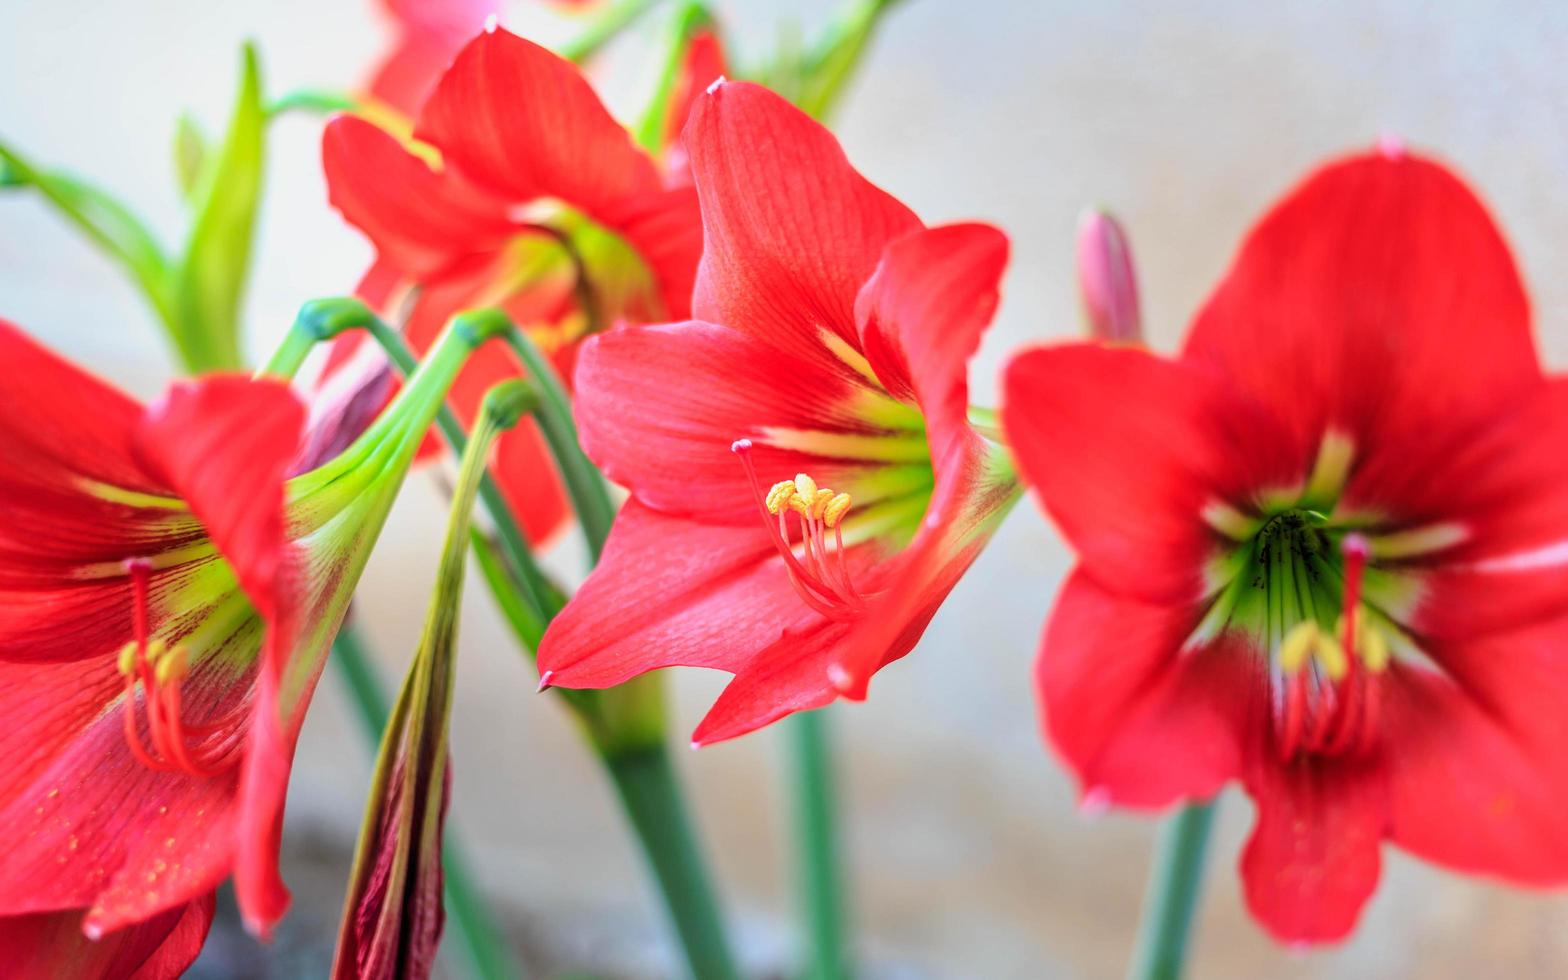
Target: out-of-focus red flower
(702,65)
(1324,551)
(805,484)
(168,593)
(523,193)
(429,34)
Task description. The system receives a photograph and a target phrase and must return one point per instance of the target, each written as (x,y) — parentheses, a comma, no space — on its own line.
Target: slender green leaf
(210,279)
(110,224)
(191,155)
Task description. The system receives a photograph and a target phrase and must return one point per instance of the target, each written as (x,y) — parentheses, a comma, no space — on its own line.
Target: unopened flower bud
(1106,279)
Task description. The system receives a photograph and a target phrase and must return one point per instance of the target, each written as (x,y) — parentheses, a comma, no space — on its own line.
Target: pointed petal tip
(841,678)
(716,84)
(544,682)
(695,744)
(1391,146)
(1096,803)
(491,23)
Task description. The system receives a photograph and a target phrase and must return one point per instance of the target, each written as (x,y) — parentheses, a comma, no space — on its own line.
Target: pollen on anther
(835,509)
(780,496)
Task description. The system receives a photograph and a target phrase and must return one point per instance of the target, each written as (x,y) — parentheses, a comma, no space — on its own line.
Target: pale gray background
(971,860)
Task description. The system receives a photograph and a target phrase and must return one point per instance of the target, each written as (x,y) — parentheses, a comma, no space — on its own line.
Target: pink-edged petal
(671,591)
(51,945)
(1313,858)
(421,221)
(923,312)
(1377,298)
(792,231)
(1126,451)
(524,122)
(1477,776)
(224,444)
(1140,720)
(669,440)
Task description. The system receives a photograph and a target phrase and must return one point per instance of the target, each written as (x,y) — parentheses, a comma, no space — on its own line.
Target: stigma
(172,744)
(819,573)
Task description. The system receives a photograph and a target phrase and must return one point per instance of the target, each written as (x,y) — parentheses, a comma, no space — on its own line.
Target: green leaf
(110,224)
(191,154)
(209,282)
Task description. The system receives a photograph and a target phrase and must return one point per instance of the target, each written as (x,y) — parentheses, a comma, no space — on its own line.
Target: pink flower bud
(1106,279)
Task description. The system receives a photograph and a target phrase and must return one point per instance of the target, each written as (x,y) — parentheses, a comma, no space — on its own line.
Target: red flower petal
(669,443)
(702,66)
(91,825)
(1313,858)
(922,313)
(224,444)
(671,591)
(1125,451)
(525,123)
(792,231)
(1142,722)
(420,220)
(431,32)
(1379,298)
(50,945)
(1477,776)
(789,676)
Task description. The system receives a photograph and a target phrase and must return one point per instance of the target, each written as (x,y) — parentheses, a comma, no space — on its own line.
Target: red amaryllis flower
(832,335)
(525,194)
(430,33)
(1322,551)
(167,597)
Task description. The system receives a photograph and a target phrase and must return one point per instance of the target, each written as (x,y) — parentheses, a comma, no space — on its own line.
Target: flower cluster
(1322,551)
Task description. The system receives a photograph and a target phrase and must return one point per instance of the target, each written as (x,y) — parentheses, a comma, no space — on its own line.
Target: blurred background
(970,858)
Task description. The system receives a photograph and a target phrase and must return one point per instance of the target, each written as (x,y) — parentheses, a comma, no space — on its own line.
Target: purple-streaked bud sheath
(1106,280)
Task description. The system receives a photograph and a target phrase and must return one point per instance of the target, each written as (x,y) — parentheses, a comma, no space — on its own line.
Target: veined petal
(224,444)
(1313,858)
(50,945)
(1142,722)
(671,591)
(524,122)
(1477,777)
(1126,450)
(789,676)
(1379,299)
(669,440)
(923,312)
(792,231)
(420,220)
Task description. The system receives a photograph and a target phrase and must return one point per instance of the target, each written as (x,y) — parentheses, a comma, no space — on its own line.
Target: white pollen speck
(840,677)
(714,85)
(93,931)
(491,23)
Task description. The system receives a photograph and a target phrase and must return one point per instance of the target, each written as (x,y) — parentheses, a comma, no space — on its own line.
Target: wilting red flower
(1322,551)
(525,194)
(832,335)
(167,597)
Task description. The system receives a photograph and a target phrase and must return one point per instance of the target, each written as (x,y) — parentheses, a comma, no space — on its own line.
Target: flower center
(819,573)
(172,744)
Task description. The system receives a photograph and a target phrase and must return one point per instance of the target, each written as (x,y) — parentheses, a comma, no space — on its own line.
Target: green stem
(822,890)
(688,18)
(584,483)
(646,783)
(614,19)
(483,944)
(835,61)
(1161,953)
(535,587)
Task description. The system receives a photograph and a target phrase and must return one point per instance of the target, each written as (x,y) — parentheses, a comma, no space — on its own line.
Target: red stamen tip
(1356,547)
(740,446)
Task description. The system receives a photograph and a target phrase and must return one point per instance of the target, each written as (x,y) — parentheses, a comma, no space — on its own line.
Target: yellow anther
(780,496)
(1331,655)
(1372,645)
(819,503)
(835,510)
(170,665)
(128,658)
(1297,646)
(805,486)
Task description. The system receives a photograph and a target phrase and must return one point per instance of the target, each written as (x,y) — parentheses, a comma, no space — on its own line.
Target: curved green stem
(651,795)
(1172,899)
(651,127)
(822,892)
(484,946)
